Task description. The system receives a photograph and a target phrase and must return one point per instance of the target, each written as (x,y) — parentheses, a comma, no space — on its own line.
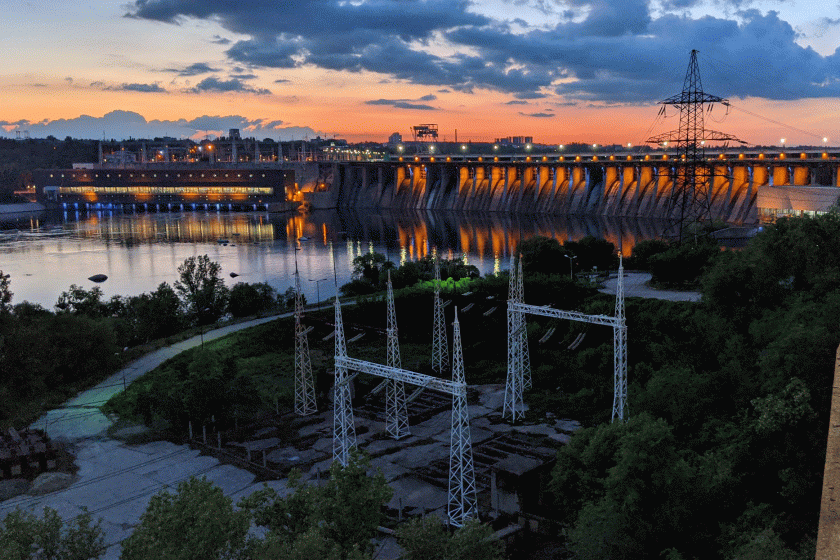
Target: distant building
(233,134)
(395,138)
(515,140)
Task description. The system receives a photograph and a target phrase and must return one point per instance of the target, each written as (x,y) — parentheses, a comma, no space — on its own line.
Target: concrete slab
(413,492)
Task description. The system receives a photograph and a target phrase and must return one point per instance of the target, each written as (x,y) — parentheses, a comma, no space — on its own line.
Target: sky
(561,71)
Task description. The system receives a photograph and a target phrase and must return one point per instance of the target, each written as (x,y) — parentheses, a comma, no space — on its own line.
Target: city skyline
(561,72)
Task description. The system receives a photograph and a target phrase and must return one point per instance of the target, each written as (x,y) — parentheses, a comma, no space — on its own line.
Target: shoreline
(22,208)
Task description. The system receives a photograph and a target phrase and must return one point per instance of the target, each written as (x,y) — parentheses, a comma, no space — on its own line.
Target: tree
(427,539)
(5,293)
(370,266)
(342,515)
(542,254)
(198,522)
(24,536)
(202,291)
(250,299)
(82,302)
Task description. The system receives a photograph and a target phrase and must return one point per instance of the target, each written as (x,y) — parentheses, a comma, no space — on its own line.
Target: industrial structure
(304,383)
(690,197)
(516,382)
(440,352)
(461,491)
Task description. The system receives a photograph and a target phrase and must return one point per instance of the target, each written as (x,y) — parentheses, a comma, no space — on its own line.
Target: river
(44,253)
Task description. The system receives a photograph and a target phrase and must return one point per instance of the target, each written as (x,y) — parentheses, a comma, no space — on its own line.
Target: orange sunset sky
(561,71)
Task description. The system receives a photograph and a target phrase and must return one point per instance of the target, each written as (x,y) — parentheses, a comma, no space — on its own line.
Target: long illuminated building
(169,187)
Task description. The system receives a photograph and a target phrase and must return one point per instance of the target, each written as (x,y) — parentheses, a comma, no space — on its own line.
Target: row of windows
(131,175)
(168,190)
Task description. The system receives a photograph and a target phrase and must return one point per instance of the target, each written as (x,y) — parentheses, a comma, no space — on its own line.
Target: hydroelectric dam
(741,185)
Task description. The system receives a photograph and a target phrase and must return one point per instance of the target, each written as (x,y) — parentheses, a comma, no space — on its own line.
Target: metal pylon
(462,493)
(440,353)
(691,193)
(344,429)
(304,383)
(513,383)
(524,356)
(396,413)
(620,350)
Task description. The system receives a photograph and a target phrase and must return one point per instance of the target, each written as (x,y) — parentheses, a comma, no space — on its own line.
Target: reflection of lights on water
(350,251)
(370,247)
(497,264)
(403,255)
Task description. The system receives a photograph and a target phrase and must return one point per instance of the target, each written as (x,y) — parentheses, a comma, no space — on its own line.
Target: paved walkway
(635,285)
(115,481)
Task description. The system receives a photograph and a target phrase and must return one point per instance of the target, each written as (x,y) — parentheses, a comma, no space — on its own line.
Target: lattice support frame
(462,492)
(304,382)
(344,428)
(396,410)
(514,405)
(440,352)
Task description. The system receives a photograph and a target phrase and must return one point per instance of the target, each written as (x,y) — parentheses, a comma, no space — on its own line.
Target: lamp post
(317,289)
(571,260)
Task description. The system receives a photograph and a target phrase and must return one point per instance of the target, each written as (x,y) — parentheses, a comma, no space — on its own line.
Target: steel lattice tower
(524,356)
(304,383)
(440,353)
(620,350)
(344,429)
(513,383)
(396,411)
(690,200)
(462,493)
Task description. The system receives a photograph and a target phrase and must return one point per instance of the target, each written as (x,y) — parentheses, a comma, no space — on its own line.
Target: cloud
(219,40)
(589,51)
(516,102)
(401,104)
(538,115)
(216,85)
(124,124)
(282,81)
(194,69)
(142,88)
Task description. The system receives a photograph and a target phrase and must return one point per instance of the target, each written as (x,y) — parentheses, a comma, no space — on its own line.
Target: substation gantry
(304,383)
(519,369)
(462,502)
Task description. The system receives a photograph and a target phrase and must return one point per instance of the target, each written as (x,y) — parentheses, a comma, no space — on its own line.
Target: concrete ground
(635,285)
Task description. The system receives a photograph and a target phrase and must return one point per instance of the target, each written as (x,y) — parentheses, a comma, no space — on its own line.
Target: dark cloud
(142,88)
(282,81)
(124,124)
(243,76)
(217,85)
(401,104)
(193,69)
(602,51)
(219,40)
(538,115)
(516,102)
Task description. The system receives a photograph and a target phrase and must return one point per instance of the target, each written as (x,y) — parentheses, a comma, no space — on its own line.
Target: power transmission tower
(524,356)
(396,412)
(440,353)
(462,493)
(514,383)
(690,199)
(304,384)
(344,429)
(620,349)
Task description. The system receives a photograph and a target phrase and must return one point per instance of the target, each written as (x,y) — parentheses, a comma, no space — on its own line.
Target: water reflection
(46,253)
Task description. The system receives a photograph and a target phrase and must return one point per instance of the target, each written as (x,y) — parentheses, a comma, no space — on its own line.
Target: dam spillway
(611,185)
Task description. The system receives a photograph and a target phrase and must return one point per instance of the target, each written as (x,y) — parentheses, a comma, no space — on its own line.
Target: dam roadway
(599,185)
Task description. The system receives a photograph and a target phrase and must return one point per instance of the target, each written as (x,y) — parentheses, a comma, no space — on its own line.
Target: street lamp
(782,142)
(571,260)
(317,289)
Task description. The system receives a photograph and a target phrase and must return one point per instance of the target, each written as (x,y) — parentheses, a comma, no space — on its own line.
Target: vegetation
(24,536)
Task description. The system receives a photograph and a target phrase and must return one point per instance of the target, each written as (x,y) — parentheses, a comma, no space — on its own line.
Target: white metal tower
(524,356)
(620,349)
(396,411)
(513,384)
(462,493)
(304,383)
(440,355)
(344,429)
